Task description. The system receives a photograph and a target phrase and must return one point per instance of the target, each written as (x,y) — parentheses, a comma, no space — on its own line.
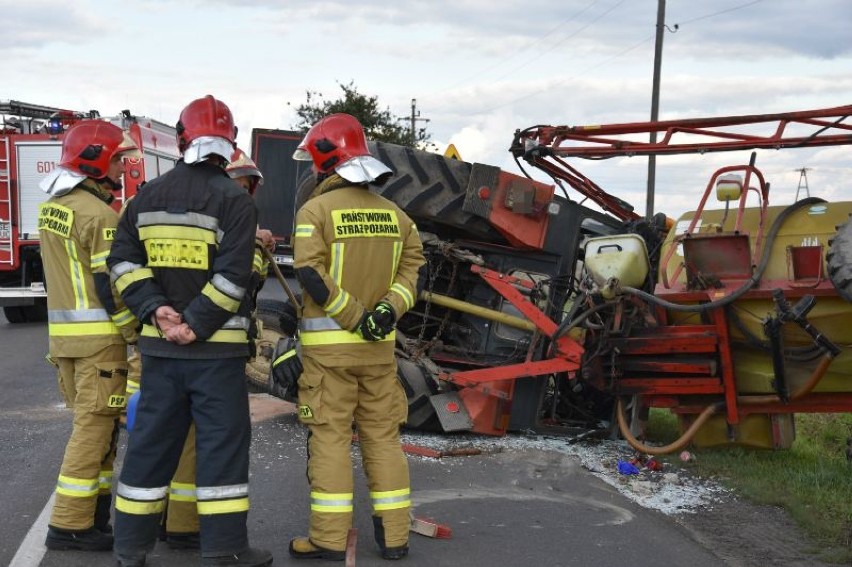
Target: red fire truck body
(30,148)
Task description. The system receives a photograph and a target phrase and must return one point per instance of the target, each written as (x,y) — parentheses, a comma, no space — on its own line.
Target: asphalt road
(518,507)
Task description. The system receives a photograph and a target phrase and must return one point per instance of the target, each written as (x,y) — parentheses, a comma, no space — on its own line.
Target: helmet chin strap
(111,185)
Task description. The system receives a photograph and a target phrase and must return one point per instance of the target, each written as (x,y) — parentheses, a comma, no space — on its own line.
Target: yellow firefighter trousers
(329,399)
(94,387)
(181,516)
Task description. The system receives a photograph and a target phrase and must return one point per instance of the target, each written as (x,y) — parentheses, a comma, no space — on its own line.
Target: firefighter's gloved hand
(376,325)
(286,368)
(129,334)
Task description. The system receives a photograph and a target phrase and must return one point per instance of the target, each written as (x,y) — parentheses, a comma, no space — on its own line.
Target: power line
(561,41)
(725,11)
(523,49)
(583,72)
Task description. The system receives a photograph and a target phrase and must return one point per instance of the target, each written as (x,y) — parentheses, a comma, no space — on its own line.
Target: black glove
(286,368)
(376,324)
(288,319)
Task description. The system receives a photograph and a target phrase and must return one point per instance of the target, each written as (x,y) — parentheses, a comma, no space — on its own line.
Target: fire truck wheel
(429,187)
(839,260)
(15,314)
(269,312)
(36,313)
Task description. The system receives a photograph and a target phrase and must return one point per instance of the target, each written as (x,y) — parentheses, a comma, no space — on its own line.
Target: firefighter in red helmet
(89,326)
(182,260)
(359,260)
(245,172)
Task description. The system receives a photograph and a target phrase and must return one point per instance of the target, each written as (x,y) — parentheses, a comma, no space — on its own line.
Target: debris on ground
(653,486)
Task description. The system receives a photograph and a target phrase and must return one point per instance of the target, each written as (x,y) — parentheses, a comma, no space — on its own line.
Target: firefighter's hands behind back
(376,324)
(172,326)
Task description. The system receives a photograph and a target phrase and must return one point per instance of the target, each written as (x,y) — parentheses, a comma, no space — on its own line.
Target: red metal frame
(489,390)
(545,147)
(676,376)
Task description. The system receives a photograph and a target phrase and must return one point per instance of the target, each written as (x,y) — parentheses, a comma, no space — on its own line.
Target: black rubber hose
(755,278)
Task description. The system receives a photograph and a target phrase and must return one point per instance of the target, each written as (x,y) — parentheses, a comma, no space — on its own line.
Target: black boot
(130,560)
(81,540)
(391,553)
(102,513)
(304,548)
(189,540)
(251,557)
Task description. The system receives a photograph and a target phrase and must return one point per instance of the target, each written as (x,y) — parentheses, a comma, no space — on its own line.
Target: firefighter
(244,171)
(180,525)
(182,260)
(89,326)
(359,260)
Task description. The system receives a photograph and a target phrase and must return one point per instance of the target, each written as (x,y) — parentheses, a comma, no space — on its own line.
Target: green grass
(812,480)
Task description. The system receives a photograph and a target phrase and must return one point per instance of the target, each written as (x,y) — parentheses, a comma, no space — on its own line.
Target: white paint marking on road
(32,549)
(620,515)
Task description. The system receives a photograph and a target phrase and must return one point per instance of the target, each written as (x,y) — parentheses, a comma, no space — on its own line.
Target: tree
(379,125)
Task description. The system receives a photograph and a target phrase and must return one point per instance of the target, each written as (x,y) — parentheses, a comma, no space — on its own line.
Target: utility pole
(803,182)
(655,105)
(415,116)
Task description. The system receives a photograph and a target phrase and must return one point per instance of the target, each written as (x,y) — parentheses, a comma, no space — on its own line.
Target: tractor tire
(269,313)
(430,188)
(419,386)
(839,259)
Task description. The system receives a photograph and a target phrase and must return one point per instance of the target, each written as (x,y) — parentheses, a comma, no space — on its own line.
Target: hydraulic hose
(754,280)
(806,388)
(676,445)
(687,436)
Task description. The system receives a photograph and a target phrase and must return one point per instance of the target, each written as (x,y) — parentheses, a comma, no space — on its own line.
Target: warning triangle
(452,153)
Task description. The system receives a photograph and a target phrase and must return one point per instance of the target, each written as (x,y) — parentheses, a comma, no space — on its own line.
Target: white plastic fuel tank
(621,256)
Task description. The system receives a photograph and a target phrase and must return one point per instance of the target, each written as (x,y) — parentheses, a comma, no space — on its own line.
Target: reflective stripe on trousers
(218,405)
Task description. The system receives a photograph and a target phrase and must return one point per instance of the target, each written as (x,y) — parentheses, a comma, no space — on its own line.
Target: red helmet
(89,145)
(337,143)
(205,117)
(242,166)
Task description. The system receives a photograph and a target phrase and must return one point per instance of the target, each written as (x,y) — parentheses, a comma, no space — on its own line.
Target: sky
(478,70)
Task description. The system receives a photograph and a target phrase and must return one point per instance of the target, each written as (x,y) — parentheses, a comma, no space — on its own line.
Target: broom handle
(283,281)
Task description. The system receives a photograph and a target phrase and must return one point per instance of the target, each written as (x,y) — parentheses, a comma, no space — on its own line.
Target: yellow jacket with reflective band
(366,250)
(76,231)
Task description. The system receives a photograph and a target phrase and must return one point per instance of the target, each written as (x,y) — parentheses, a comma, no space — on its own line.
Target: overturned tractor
(539,311)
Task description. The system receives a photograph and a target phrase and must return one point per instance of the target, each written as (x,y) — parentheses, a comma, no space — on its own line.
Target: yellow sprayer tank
(719,258)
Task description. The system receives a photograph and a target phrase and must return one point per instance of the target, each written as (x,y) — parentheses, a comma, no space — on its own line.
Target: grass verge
(812,480)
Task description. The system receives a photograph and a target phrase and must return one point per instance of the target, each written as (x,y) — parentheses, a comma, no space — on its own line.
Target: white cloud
(478,69)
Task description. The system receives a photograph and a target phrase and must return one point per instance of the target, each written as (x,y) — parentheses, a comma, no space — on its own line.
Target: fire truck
(30,148)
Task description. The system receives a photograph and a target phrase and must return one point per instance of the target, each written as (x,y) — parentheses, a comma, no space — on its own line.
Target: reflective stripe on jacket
(76,231)
(187,240)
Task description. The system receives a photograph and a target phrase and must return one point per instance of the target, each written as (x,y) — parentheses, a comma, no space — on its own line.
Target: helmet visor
(362,169)
(204,146)
(301,154)
(128,148)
